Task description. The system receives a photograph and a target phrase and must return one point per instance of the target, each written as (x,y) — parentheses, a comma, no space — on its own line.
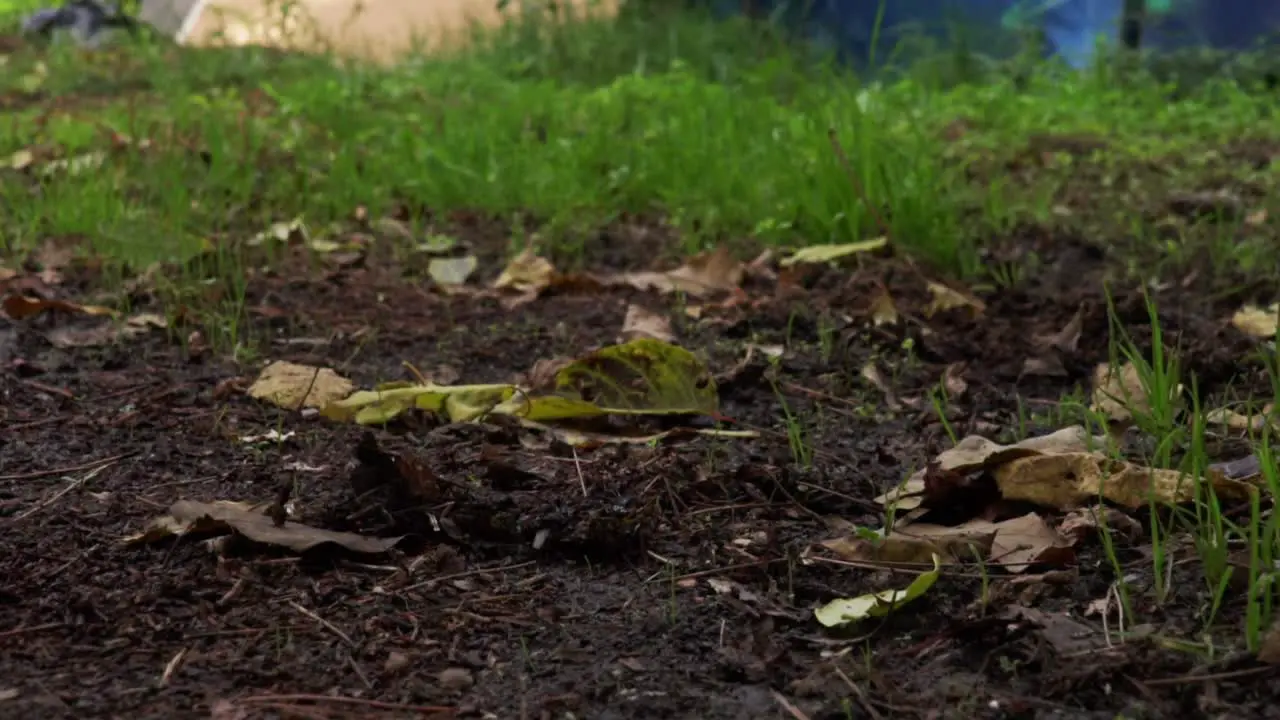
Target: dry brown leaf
(1119,393)
(452,271)
(872,375)
(975,453)
(285,385)
(1066,636)
(1269,648)
(947,298)
(1068,338)
(526,273)
(704,274)
(1043,366)
(1087,521)
(953,380)
(1025,541)
(916,544)
(251,521)
(1071,480)
(644,323)
(1234,421)
(69,337)
(20,307)
(883,311)
(1255,321)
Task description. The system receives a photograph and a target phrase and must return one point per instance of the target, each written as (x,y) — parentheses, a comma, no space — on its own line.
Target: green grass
(721,129)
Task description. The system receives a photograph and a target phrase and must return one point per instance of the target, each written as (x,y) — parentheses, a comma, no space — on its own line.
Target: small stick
(577,464)
(328,625)
(339,700)
(172,667)
(66,470)
(56,496)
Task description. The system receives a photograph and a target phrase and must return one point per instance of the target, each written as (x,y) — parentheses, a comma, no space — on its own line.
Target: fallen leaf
(1068,338)
(883,311)
(452,271)
(704,274)
(871,373)
(915,544)
(292,386)
(975,452)
(641,377)
(1088,521)
(1269,648)
(1255,321)
(828,253)
(641,322)
(436,244)
(222,516)
(1066,636)
(953,380)
(1119,394)
(1068,481)
(946,298)
(843,611)
(1234,421)
(291,232)
(526,273)
(1025,541)
(102,334)
(20,307)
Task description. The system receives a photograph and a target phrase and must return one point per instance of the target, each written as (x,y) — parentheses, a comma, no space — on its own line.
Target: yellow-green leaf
(828,253)
(843,611)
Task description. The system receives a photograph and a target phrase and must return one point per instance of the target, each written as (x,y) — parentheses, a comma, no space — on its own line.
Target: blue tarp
(1071,28)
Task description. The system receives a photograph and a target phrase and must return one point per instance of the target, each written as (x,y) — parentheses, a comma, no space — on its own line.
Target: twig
(339,700)
(792,710)
(172,667)
(1209,677)
(581,480)
(465,573)
(66,470)
(862,697)
(328,625)
(34,628)
(56,496)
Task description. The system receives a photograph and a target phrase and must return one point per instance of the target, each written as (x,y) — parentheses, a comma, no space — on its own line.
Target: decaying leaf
(945,298)
(250,520)
(828,253)
(1257,322)
(704,274)
(290,232)
(975,453)
(641,377)
(843,611)
(1269,648)
(20,307)
(1088,521)
(1071,480)
(642,322)
(452,271)
(286,384)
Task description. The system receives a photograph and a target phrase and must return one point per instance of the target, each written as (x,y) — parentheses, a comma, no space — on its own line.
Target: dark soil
(680,584)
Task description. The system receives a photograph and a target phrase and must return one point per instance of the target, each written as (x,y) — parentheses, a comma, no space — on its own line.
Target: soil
(660,580)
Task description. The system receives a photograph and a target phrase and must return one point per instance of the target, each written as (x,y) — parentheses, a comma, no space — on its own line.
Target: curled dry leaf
(882,310)
(1068,338)
(642,322)
(704,274)
(871,373)
(526,273)
(1015,544)
(1071,480)
(974,453)
(945,298)
(953,380)
(292,386)
(19,307)
(1236,422)
(251,521)
(1269,648)
(1255,321)
(1085,522)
